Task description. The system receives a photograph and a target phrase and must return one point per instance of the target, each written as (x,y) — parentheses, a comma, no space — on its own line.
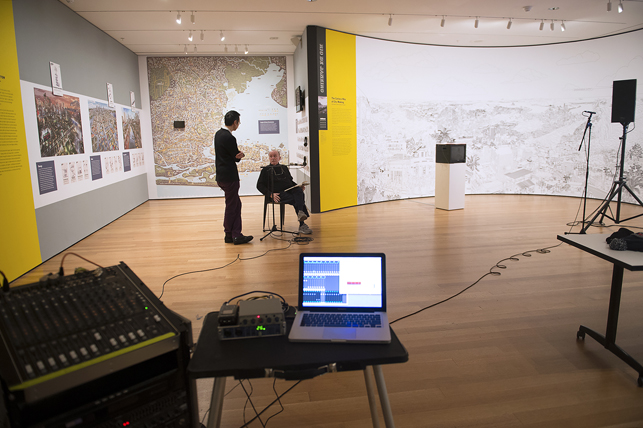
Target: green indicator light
(261,328)
(146,308)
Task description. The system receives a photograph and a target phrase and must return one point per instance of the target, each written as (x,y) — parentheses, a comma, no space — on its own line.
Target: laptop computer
(342,298)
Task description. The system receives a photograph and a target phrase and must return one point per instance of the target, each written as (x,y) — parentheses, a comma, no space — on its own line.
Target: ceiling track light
(190,37)
(542,24)
(221,35)
(442,22)
(562,26)
(246,51)
(194,48)
(202,35)
(185,49)
(609,5)
(551,26)
(509,24)
(620,6)
(178,16)
(225,49)
(475,24)
(236,49)
(390,20)
(192,18)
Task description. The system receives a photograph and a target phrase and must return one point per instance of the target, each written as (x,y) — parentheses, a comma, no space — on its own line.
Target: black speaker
(179,124)
(623,101)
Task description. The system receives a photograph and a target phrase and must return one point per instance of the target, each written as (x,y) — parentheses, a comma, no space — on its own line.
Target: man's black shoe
(242,239)
(228,239)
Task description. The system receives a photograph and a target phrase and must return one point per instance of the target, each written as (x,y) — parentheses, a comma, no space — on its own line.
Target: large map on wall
(519,110)
(196,92)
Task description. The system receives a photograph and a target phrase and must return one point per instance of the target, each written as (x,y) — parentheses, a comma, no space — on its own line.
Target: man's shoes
(304,229)
(228,239)
(301,216)
(242,239)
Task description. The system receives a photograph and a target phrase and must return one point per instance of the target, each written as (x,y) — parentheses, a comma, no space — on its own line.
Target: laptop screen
(350,281)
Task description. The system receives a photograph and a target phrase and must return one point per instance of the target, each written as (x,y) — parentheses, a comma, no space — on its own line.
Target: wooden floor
(503,354)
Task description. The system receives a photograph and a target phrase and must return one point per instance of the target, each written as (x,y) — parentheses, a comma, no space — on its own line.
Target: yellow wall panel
(19,246)
(338,144)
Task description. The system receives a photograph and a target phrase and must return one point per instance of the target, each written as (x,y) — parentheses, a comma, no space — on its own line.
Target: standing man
(227,154)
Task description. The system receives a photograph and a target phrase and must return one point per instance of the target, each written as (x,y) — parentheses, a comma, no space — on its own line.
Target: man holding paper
(276,183)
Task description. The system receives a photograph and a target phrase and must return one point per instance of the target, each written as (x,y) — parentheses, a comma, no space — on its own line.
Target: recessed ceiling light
(554,8)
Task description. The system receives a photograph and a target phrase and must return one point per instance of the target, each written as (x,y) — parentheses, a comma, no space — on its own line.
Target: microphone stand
(588,126)
(272,186)
(272,189)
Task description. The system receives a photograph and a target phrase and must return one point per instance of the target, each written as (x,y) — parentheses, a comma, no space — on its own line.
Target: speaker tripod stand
(615,192)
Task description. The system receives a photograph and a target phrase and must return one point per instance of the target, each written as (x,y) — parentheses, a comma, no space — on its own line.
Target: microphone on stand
(590,112)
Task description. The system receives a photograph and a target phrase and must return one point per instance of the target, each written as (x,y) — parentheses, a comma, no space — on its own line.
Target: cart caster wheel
(580,335)
(640,381)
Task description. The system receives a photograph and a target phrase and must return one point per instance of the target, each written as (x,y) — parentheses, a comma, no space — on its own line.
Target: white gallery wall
(518,109)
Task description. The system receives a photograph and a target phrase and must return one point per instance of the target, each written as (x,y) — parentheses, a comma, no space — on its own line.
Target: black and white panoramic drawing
(520,111)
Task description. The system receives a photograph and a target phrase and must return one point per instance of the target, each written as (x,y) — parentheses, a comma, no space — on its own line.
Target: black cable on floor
(196,271)
(251,403)
(290,242)
(491,272)
(269,405)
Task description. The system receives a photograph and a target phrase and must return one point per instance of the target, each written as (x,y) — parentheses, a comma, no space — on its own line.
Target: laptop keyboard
(341,320)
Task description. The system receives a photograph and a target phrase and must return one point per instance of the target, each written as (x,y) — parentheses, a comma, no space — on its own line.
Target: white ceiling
(149,27)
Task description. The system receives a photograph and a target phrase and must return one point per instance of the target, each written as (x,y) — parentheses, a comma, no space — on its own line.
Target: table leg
(615,302)
(609,340)
(216,402)
(381,388)
(370,390)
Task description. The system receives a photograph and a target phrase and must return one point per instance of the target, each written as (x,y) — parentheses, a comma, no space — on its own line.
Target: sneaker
(301,216)
(242,239)
(304,229)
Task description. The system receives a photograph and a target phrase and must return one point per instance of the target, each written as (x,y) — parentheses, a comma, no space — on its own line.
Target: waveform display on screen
(321,282)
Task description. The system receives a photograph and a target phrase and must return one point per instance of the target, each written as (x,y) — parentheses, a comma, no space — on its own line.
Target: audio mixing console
(64,333)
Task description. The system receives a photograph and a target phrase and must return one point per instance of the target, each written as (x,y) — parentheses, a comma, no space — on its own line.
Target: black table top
(249,358)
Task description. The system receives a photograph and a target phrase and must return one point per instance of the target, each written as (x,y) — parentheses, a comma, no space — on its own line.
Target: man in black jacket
(227,154)
(273,182)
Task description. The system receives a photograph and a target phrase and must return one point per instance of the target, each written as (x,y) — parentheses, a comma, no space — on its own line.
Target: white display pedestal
(449,186)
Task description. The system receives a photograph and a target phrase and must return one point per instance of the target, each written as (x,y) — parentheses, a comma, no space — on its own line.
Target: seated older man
(273,182)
